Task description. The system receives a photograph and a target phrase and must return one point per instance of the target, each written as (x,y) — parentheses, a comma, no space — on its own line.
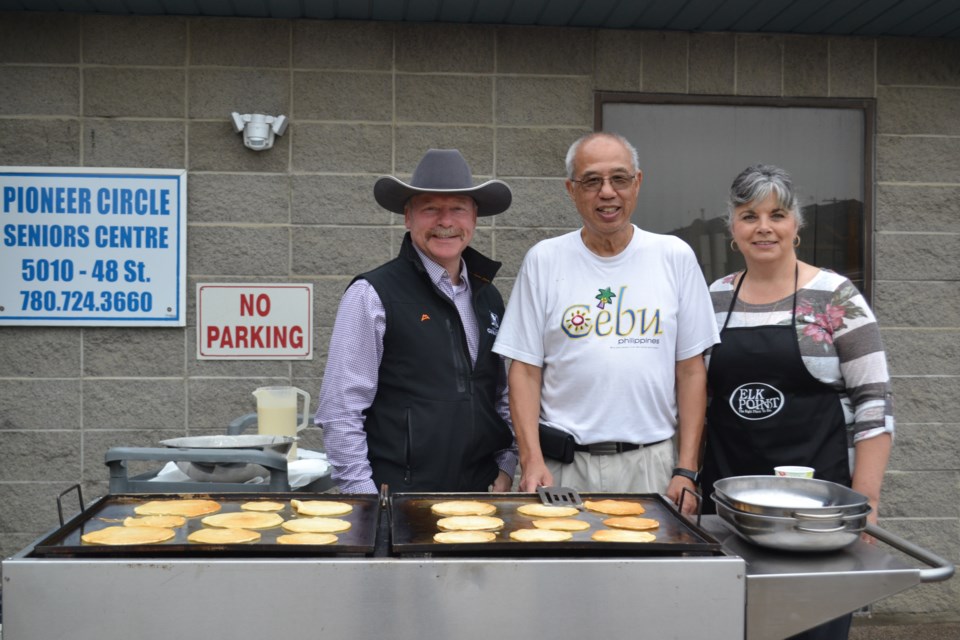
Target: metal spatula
(560,497)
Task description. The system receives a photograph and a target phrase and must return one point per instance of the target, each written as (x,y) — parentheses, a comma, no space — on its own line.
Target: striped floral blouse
(839,341)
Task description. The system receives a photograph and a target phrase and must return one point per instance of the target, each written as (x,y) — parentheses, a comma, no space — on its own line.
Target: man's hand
(691,407)
(675,490)
(535,475)
(503,483)
(525,381)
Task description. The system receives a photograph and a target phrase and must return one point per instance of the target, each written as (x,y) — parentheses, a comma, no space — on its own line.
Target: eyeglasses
(595,183)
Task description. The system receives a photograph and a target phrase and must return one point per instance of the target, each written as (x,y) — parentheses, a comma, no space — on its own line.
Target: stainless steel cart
(738,591)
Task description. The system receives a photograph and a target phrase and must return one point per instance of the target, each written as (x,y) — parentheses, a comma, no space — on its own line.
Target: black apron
(767,409)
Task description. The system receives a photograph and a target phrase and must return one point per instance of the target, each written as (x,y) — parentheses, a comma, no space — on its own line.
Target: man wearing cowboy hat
(412,396)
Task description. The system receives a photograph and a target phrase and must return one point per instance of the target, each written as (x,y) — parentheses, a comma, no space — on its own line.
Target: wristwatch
(687,473)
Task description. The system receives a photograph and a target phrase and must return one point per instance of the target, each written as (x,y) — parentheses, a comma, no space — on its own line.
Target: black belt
(610,448)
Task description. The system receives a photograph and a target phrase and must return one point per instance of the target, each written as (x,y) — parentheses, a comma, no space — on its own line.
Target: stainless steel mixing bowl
(798,533)
(786,497)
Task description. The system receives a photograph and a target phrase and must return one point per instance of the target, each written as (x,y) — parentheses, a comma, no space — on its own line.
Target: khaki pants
(646,470)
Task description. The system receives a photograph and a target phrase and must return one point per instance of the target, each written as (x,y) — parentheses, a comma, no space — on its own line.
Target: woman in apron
(800,375)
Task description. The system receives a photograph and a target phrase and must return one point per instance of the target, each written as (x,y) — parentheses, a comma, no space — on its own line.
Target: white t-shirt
(608,332)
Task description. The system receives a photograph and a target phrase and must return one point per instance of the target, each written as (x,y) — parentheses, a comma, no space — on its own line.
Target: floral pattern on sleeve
(820,323)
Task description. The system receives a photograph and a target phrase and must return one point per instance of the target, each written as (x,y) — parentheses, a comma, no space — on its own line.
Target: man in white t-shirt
(606,328)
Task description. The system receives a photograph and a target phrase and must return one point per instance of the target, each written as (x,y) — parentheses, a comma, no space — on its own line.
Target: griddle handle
(683,492)
(60,502)
(384,495)
(942,569)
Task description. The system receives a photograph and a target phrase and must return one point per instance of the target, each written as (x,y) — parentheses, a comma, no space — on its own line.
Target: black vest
(433,425)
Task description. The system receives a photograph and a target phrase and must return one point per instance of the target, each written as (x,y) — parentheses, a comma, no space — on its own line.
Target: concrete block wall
(366,99)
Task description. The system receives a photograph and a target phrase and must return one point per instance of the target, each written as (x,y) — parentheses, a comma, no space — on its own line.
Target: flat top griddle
(112,509)
(413,526)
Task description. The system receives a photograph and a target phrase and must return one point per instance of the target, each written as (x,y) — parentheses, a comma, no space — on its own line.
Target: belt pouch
(556,444)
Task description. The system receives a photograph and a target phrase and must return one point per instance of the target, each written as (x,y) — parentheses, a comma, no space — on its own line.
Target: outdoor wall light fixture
(258,130)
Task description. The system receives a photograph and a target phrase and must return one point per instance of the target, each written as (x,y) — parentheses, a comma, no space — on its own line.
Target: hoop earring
(796,241)
(734,247)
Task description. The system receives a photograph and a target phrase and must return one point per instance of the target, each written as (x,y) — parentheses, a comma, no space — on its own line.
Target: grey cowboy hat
(443,171)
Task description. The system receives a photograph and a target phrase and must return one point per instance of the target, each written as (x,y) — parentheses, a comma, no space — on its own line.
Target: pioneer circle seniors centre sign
(92,247)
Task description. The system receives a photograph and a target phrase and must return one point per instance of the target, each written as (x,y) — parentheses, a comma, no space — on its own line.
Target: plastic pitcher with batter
(277,413)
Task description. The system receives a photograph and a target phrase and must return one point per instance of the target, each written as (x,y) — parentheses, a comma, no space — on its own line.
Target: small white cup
(794,472)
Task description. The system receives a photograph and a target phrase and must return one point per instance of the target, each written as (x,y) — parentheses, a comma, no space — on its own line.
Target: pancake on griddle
(215,535)
(316,525)
(243,520)
(307,538)
(464,537)
(262,505)
(470,523)
(323,508)
(128,535)
(164,522)
(540,535)
(615,507)
(547,511)
(185,508)
(632,523)
(561,524)
(622,535)
(463,508)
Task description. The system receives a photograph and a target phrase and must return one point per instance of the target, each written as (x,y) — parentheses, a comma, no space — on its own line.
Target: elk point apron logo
(756,401)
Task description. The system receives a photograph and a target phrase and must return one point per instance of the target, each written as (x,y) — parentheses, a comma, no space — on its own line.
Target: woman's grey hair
(759,181)
(572,151)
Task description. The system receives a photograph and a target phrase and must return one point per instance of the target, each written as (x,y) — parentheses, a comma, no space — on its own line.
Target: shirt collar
(438,274)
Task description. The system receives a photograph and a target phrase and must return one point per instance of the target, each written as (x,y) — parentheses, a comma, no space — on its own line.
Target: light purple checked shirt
(353,362)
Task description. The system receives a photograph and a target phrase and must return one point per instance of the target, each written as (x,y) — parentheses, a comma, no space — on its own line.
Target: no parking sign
(254,321)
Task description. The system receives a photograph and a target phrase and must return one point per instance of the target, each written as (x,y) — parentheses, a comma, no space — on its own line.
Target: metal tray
(112,509)
(412,526)
(280,444)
